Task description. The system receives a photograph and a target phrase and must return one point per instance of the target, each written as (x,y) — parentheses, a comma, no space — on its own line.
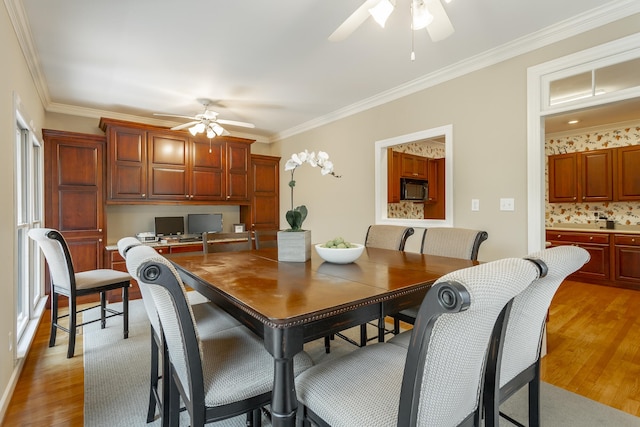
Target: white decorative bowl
(340,255)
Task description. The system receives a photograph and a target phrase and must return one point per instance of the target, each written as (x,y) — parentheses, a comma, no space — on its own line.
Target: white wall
(487,109)
(15,80)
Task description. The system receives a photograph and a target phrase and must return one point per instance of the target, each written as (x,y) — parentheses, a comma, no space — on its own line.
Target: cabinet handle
(559,235)
(100,240)
(100,230)
(186,196)
(633,240)
(228,197)
(590,237)
(143,195)
(574,198)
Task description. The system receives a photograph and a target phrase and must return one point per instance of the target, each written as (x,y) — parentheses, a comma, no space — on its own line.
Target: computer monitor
(199,223)
(169,225)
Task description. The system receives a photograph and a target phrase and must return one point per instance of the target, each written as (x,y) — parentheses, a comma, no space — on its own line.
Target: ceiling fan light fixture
(420,16)
(210,133)
(381,11)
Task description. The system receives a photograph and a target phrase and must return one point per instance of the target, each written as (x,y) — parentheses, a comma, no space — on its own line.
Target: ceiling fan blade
(236,123)
(185,125)
(353,21)
(175,115)
(441,27)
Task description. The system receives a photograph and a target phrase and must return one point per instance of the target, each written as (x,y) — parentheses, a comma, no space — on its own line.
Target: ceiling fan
(427,14)
(207,121)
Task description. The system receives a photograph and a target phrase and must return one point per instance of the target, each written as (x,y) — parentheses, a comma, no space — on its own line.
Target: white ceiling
(266,62)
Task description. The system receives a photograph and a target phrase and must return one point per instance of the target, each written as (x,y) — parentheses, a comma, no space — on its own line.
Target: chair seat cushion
(402,339)
(236,366)
(361,388)
(102,277)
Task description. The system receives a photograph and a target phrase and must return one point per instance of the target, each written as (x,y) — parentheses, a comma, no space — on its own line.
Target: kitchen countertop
(619,228)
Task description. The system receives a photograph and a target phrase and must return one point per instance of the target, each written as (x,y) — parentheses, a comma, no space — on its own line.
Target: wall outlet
(475,204)
(507,204)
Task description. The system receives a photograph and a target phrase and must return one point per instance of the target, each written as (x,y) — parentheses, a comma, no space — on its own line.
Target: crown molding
(578,24)
(573,26)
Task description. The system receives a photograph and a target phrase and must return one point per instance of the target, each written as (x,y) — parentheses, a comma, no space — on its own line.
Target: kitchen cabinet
(264,211)
(598,267)
(393,176)
(581,177)
(412,166)
(627,255)
(74,194)
(435,207)
(628,173)
(148,164)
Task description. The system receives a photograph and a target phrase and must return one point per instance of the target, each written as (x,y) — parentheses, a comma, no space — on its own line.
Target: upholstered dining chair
(517,346)
(209,318)
(437,379)
(216,374)
(226,242)
(266,239)
(381,236)
(444,241)
(65,281)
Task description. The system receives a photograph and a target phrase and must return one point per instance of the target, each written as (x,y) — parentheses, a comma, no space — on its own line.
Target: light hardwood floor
(593,350)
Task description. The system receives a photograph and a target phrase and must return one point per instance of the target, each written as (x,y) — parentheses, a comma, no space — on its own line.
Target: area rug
(116,381)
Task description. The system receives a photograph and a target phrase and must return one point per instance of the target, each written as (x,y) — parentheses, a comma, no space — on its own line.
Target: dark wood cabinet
(393,176)
(563,178)
(264,211)
(581,177)
(74,196)
(598,268)
(148,164)
(627,255)
(435,207)
(628,173)
(412,166)
(596,175)
(167,166)
(127,165)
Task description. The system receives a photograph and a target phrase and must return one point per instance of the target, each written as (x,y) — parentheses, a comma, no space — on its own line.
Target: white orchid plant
(296,216)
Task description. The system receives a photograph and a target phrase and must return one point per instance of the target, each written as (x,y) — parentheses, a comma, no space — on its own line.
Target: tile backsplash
(621,135)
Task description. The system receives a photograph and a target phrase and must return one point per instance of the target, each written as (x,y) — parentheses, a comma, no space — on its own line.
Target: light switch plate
(475,204)
(507,204)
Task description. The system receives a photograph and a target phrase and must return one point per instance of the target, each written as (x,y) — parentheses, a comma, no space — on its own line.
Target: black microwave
(414,189)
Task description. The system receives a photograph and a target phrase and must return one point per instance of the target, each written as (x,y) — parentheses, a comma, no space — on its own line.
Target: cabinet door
(563,178)
(127,172)
(237,167)
(627,259)
(433,173)
(596,175)
(628,173)
(436,207)
(168,155)
(413,166)
(207,171)
(74,192)
(265,200)
(393,176)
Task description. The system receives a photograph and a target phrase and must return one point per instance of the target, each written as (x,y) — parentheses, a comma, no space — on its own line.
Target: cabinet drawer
(564,236)
(196,247)
(627,239)
(116,257)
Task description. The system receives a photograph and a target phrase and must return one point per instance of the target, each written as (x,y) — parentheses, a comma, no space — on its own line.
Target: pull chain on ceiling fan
(429,14)
(207,121)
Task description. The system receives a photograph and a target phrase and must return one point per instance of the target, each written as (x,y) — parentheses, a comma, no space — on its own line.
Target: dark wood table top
(288,293)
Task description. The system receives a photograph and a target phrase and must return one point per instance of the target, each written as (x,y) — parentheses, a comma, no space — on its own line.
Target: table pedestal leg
(283,344)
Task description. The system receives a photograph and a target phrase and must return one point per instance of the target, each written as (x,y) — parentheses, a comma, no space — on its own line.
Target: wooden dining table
(291,303)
